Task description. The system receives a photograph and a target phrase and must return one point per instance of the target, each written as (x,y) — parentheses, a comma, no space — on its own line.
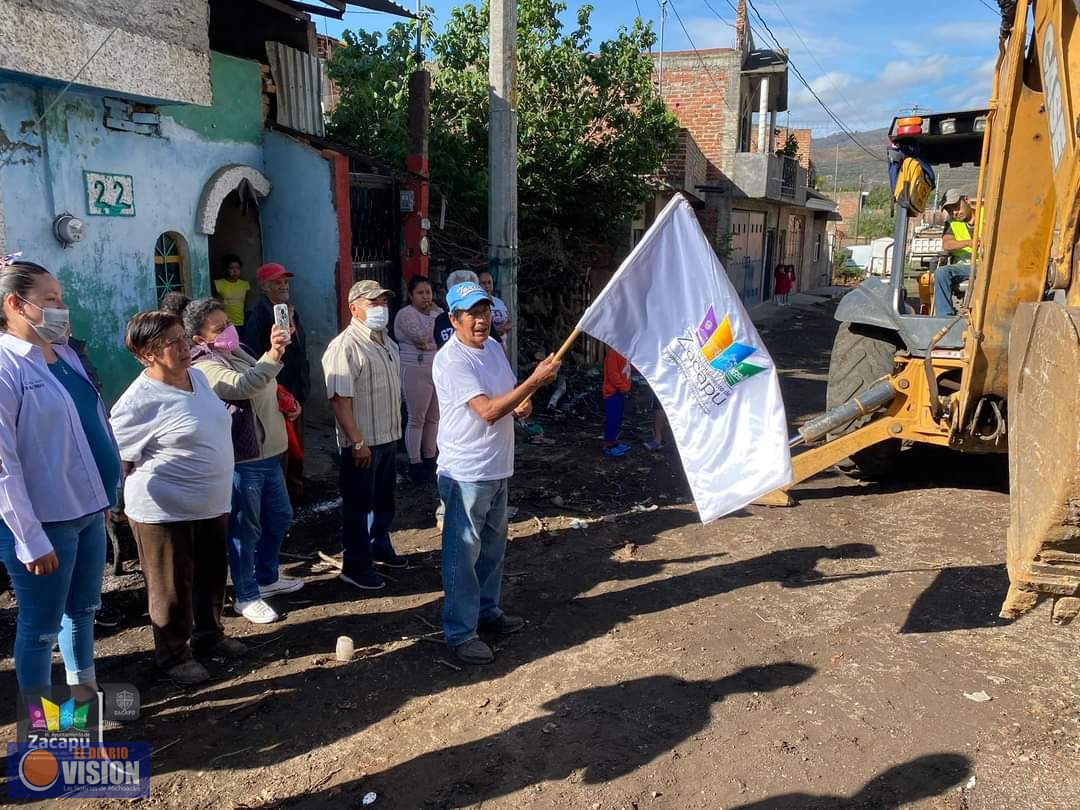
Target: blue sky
(867,59)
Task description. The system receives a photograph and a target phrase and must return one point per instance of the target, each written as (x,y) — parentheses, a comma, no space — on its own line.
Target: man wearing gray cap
(959,232)
(363,383)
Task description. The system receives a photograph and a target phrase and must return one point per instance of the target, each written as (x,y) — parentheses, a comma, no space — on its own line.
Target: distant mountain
(854,162)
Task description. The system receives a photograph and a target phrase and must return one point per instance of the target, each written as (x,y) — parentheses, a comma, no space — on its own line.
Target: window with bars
(170,266)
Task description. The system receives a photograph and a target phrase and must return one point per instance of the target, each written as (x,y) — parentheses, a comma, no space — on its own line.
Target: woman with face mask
(414,329)
(261,512)
(59,471)
(174,437)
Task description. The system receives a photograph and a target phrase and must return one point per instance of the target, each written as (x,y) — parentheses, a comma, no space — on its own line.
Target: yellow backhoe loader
(1004,373)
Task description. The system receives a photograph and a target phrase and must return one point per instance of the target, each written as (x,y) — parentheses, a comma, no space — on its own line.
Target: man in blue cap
(479,399)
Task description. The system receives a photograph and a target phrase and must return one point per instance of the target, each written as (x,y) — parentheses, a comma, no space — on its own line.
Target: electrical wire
(990,7)
(693,47)
(836,89)
(802,79)
(13,145)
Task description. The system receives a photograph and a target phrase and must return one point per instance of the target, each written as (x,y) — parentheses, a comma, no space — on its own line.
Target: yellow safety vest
(961,231)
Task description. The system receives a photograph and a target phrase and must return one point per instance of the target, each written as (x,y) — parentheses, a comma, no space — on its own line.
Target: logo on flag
(671,310)
(712,360)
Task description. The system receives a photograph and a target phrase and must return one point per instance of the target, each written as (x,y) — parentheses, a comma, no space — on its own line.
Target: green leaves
(591,129)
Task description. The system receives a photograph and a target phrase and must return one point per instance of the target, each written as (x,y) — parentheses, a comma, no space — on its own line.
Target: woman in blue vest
(59,470)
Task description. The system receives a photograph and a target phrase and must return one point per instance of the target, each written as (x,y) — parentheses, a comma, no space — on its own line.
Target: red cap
(271,271)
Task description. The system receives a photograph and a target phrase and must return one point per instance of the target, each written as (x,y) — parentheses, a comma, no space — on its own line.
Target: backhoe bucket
(1044,460)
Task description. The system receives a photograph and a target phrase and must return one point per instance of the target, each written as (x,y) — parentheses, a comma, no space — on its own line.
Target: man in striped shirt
(363,383)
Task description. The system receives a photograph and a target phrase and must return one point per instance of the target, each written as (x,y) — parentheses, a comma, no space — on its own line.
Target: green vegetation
(591,127)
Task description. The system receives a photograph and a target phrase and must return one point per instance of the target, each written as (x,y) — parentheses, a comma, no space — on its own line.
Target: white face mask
(54,323)
(377,318)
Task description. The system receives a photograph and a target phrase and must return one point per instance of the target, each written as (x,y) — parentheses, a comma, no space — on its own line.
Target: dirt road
(814,657)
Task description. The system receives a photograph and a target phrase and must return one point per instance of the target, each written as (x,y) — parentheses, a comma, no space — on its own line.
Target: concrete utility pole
(836,169)
(502,159)
(660,70)
(858,211)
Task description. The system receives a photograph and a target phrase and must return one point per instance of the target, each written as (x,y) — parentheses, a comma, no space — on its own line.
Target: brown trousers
(185,567)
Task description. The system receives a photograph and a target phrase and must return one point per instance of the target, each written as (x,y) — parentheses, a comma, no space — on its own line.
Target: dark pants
(614,407)
(367,504)
(185,567)
(294,467)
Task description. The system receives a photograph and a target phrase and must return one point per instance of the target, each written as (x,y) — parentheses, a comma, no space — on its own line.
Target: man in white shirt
(479,398)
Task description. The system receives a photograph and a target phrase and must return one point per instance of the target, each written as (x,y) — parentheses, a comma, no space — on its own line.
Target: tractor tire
(861,356)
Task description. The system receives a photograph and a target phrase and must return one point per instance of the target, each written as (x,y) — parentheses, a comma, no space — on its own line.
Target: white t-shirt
(469,448)
(181,445)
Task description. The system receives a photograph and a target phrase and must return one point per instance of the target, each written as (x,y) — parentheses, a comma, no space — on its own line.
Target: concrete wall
(110,274)
(160,53)
(299,226)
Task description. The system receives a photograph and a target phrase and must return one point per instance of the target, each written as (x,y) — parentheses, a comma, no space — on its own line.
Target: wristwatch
(360,445)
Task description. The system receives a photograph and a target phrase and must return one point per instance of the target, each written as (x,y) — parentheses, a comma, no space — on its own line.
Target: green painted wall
(237,111)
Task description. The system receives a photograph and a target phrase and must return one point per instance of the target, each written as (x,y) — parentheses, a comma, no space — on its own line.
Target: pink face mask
(228,340)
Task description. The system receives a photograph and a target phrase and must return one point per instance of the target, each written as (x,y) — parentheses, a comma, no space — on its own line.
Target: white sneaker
(284,584)
(256,611)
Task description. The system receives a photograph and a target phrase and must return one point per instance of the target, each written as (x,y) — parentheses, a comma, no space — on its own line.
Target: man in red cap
(273,280)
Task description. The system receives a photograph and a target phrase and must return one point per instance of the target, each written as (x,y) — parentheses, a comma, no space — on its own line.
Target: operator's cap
(367,289)
(465,296)
(952,197)
(271,271)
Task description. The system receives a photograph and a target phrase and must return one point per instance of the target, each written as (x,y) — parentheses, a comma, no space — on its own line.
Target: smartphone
(281,318)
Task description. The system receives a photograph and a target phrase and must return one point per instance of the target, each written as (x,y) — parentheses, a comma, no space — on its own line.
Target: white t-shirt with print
(469,448)
(181,445)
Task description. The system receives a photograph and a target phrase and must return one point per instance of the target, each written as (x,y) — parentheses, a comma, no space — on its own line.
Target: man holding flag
(479,399)
(672,312)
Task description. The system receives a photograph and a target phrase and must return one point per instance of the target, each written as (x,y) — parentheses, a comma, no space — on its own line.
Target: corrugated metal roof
(338,7)
(298,77)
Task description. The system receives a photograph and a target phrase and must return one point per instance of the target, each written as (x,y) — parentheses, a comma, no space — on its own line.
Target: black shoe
(366,580)
(417,473)
(383,553)
(504,625)
(431,467)
(107,617)
(474,651)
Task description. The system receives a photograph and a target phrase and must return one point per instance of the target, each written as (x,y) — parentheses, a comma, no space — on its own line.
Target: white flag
(671,310)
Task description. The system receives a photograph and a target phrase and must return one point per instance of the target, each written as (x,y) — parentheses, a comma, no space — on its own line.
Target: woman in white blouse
(175,443)
(414,329)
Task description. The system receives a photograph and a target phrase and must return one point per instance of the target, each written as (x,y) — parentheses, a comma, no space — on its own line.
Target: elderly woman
(261,512)
(414,329)
(59,471)
(479,399)
(174,438)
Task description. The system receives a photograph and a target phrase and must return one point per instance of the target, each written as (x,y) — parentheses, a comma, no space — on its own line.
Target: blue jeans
(367,504)
(261,514)
(944,278)
(473,548)
(62,602)
(614,407)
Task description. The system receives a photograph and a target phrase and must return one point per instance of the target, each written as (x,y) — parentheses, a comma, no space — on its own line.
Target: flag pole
(567,344)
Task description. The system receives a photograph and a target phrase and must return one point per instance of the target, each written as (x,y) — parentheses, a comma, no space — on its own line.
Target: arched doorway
(229,215)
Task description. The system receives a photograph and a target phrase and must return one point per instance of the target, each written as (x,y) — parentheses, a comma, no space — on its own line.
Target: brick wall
(804,138)
(686,167)
(705,99)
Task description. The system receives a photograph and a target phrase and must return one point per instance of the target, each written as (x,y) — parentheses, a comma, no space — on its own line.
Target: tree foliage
(591,128)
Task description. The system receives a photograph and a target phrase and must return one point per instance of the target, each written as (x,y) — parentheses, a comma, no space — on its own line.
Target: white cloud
(968,31)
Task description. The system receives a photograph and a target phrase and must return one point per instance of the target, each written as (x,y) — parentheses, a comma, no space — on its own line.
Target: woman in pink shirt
(414,329)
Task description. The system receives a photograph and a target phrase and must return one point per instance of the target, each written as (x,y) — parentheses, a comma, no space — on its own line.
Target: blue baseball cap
(466,296)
